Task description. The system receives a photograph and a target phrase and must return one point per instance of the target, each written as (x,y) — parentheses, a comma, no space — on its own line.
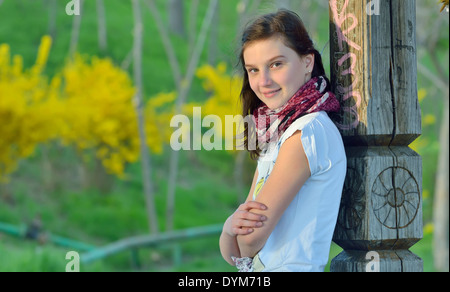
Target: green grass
(97,218)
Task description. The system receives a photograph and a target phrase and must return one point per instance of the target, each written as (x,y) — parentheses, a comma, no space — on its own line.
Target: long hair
(294,35)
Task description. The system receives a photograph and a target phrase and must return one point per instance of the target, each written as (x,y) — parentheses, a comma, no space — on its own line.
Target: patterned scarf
(310,98)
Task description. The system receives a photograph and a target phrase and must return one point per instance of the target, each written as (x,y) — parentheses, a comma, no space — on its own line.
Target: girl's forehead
(266,49)
(270,42)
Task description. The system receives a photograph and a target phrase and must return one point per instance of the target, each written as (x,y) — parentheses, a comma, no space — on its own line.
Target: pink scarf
(310,98)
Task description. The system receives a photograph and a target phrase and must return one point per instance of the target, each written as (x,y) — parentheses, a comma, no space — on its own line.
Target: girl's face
(275,71)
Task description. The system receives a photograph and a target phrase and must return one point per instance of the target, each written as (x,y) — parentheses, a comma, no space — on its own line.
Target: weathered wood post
(374,73)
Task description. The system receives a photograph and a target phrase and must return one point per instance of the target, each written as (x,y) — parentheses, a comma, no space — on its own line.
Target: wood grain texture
(381,206)
(374,72)
(387,261)
(374,75)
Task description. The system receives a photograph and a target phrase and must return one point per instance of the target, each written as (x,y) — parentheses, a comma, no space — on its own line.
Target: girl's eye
(276,64)
(252,70)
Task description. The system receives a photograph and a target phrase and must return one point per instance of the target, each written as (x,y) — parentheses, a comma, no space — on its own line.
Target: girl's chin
(274,106)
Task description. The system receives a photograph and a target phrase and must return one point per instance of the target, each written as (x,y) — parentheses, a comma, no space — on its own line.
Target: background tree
(176,17)
(75,35)
(139,104)
(52,6)
(432,59)
(102,30)
(183,85)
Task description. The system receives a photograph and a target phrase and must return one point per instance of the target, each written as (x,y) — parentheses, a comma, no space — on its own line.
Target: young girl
(288,219)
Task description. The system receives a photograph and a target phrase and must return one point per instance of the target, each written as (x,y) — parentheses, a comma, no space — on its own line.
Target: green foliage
(72,203)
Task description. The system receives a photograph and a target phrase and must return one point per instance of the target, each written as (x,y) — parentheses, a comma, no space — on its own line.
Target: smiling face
(275,71)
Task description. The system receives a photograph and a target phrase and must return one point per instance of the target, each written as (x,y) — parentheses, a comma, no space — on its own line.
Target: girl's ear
(309,61)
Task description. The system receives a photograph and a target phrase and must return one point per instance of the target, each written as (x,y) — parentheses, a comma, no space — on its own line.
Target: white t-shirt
(301,240)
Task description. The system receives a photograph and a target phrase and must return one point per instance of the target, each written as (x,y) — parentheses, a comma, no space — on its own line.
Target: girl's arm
(240,222)
(290,172)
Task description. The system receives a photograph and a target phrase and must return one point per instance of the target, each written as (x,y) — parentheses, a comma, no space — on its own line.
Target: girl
(288,219)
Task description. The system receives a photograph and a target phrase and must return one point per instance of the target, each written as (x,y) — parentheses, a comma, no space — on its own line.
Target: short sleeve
(315,140)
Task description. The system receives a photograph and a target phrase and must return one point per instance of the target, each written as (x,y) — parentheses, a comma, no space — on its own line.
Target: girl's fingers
(244,222)
(242,227)
(242,231)
(247,206)
(248,223)
(251,216)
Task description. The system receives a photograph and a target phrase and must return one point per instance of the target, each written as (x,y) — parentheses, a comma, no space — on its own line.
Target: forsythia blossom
(89,105)
(224,99)
(24,111)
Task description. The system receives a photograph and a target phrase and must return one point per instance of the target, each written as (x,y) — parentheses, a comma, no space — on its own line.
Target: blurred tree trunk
(182,95)
(286,4)
(213,37)
(192,25)
(6,195)
(176,17)
(183,84)
(169,49)
(441,200)
(52,11)
(102,35)
(47,169)
(238,172)
(432,34)
(76,24)
(441,189)
(138,103)
(100,178)
(244,9)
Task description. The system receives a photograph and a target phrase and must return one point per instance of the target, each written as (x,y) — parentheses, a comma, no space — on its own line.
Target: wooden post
(374,74)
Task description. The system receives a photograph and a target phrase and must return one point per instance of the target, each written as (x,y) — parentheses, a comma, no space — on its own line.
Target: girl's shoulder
(314,124)
(318,134)
(320,139)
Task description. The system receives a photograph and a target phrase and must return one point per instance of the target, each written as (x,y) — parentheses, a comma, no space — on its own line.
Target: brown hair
(293,33)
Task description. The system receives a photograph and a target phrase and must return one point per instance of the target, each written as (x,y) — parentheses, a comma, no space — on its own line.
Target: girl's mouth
(271,94)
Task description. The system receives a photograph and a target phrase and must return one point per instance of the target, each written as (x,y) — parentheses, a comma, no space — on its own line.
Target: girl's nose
(265,79)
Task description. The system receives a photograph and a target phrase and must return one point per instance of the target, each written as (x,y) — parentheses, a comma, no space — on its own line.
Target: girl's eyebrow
(268,61)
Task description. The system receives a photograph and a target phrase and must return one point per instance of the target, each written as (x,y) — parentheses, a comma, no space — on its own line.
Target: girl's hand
(243,221)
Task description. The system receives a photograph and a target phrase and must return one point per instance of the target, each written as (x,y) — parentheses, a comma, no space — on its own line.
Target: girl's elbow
(247,240)
(250,244)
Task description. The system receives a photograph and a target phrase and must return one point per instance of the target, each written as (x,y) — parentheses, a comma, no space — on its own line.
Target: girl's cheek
(283,78)
(253,86)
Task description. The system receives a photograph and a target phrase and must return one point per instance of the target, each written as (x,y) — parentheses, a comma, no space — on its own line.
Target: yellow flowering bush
(159,110)
(224,100)
(99,112)
(25,117)
(89,105)
(101,115)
